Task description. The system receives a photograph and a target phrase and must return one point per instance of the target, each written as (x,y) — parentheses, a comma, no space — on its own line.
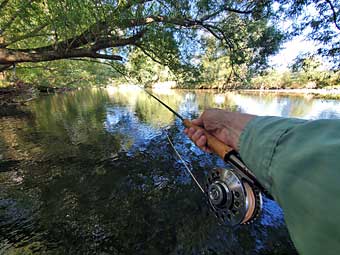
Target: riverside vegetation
(198,44)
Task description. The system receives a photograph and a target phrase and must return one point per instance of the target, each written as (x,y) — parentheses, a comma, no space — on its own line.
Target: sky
(290,50)
(298,45)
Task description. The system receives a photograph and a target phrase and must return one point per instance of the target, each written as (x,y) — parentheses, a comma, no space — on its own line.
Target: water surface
(91,172)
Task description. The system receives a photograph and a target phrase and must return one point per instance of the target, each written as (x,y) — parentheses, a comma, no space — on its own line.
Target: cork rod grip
(216,145)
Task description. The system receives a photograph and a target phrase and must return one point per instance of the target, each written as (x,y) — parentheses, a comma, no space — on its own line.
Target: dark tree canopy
(174,34)
(169,32)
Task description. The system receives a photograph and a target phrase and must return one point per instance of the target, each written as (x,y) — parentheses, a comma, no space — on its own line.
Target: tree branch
(335,18)
(11,56)
(105,56)
(124,75)
(91,61)
(102,63)
(5,67)
(86,38)
(89,35)
(181,21)
(118,42)
(211,29)
(149,55)
(130,3)
(228,9)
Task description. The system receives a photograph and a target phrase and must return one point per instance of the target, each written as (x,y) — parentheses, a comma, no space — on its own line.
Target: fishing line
(233,193)
(185,165)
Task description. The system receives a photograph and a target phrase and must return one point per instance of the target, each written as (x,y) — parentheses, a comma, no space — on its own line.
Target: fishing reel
(233,196)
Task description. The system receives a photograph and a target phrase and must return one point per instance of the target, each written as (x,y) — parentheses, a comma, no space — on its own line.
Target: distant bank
(319,93)
(330,92)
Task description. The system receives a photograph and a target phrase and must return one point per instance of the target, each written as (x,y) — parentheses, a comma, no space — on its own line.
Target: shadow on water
(91,172)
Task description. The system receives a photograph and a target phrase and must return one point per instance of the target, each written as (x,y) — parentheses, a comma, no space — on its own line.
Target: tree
(169,32)
(305,64)
(307,70)
(320,20)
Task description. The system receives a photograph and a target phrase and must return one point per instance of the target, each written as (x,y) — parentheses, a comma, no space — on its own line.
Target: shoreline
(326,91)
(315,93)
(296,91)
(19,95)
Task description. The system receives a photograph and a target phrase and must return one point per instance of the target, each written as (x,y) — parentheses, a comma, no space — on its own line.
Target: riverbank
(333,93)
(20,93)
(17,94)
(329,92)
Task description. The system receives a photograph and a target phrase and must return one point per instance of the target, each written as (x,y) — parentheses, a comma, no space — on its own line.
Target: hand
(224,125)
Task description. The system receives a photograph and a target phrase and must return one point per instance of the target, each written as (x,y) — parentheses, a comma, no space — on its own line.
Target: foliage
(171,33)
(320,20)
(309,79)
(144,70)
(306,64)
(216,67)
(200,41)
(62,73)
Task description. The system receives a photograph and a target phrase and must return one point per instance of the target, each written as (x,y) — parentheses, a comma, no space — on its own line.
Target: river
(92,172)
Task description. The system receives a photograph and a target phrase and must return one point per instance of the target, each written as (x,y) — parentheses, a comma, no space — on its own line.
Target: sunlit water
(92,172)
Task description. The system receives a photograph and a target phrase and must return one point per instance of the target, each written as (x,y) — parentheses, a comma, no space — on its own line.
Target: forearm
(297,161)
(258,143)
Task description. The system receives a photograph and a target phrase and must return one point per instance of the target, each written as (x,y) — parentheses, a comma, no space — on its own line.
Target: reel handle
(216,145)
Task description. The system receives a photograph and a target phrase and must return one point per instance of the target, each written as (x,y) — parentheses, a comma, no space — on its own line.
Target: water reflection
(191,103)
(288,106)
(91,172)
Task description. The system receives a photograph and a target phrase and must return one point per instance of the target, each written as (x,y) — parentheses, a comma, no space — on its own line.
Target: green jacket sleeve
(298,161)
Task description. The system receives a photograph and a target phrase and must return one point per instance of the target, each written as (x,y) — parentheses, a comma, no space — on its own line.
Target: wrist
(233,125)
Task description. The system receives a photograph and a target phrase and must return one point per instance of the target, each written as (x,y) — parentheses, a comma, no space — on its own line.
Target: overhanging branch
(8,57)
(105,56)
(5,67)
(335,18)
(149,55)
(104,43)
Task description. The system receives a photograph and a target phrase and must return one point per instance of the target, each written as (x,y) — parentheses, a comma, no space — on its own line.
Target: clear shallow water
(91,172)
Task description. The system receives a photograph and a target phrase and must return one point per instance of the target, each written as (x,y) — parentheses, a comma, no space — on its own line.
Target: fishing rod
(233,193)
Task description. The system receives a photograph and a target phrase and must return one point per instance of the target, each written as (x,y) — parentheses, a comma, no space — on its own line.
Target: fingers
(201,141)
(190,132)
(195,134)
(198,137)
(198,122)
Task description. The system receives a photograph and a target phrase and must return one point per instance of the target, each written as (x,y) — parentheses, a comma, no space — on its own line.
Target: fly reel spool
(232,197)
